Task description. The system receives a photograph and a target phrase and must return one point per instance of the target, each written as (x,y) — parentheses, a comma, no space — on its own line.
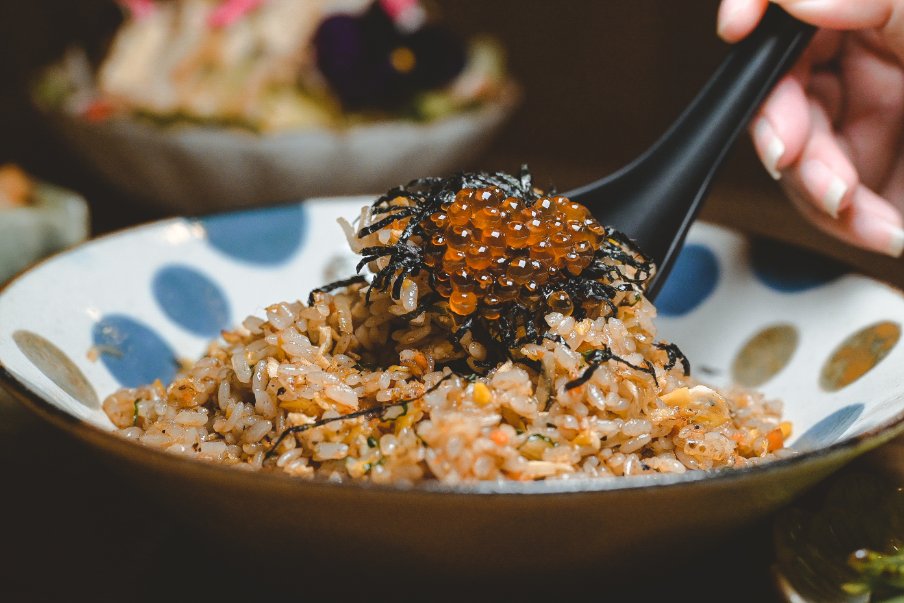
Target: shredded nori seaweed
(601,283)
(359,278)
(366,412)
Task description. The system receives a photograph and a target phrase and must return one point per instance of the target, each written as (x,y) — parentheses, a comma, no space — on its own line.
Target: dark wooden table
(73,531)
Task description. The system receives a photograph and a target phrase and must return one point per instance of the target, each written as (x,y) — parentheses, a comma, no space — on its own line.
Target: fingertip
(873,233)
(737,18)
(896,247)
(825,186)
(875,223)
(869,222)
(842,14)
(768,145)
(816,164)
(787,113)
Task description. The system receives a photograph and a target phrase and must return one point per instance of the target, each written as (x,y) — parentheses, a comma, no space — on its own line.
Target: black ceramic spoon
(654,199)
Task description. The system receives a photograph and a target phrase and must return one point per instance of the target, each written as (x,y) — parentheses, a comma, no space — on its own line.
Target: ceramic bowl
(196,169)
(793,325)
(57,219)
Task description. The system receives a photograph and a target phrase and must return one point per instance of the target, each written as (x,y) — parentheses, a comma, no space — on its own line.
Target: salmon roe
(486,248)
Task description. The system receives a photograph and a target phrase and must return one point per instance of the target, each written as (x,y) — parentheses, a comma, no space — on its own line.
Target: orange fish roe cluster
(487,248)
(492,255)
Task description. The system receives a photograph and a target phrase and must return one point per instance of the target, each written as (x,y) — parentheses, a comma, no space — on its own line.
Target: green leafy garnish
(847,546)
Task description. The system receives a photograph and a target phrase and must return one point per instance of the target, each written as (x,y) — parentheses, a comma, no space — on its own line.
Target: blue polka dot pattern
(828,430)
(132,352)
(191,300)
(790,269)
(693,278)
(269,236)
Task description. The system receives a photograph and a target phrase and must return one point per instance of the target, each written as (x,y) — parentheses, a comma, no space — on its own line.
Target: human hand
(833,129)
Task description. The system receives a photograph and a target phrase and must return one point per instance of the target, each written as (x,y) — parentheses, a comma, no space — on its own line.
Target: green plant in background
(879,572)
(845,543)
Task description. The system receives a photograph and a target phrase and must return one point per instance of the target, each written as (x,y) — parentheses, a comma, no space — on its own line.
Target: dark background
(601,81)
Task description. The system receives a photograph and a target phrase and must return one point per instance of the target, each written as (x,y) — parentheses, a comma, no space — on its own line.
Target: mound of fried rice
(366,395)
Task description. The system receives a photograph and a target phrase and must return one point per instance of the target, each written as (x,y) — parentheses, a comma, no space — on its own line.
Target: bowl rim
(90,433)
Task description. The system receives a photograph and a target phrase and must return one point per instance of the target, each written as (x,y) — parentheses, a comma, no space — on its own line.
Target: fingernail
(896,242)
(891,234)
(878,233)
(770,146)
(827,186)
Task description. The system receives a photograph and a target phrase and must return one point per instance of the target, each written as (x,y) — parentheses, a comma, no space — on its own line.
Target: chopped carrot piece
(775,439)
(499,437)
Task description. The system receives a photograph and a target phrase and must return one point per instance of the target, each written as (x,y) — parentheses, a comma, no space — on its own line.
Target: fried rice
(352,387)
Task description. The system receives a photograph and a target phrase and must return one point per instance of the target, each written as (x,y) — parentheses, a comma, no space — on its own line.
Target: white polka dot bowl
(795,326)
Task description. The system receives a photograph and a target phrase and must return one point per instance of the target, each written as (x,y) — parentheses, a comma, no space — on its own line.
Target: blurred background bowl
(56,219)
(283,101)
(188,168)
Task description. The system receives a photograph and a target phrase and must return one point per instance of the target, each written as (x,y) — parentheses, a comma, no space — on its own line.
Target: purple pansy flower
(370,62)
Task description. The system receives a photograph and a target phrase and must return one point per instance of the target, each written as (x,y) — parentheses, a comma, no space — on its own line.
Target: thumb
(737,18)
(845,14)
(884,16)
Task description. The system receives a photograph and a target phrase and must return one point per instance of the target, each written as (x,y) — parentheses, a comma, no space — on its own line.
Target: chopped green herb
(540,436)
(394,412)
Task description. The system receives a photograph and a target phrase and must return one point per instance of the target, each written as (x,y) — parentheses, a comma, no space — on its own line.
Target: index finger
(737,18)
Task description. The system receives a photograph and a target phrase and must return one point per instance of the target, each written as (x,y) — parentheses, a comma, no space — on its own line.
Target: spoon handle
(656,198)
